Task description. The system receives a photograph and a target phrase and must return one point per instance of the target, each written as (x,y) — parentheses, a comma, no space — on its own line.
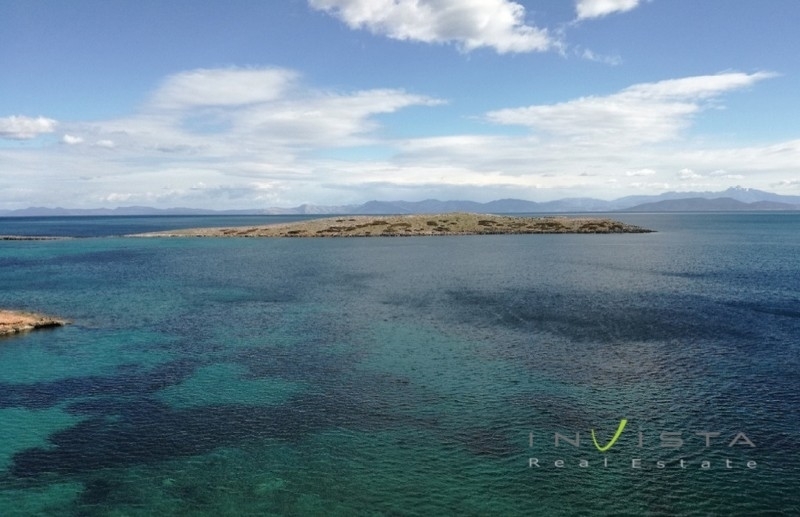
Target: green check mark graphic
(607,446)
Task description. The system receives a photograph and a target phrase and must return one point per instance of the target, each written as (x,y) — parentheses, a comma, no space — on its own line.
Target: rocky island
(14,322)
(413,225)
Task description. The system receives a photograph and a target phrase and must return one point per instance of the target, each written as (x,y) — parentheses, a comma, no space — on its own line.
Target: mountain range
(732,199)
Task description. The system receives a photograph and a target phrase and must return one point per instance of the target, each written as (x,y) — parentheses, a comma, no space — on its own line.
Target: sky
(276,103)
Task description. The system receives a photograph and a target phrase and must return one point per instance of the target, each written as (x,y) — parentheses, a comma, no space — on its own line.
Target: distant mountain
(698,204)
(734,198)
(745,195)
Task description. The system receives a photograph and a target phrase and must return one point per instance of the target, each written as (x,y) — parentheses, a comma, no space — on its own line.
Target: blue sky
(247,104)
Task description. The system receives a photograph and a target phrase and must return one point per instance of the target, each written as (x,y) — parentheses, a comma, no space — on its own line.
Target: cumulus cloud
(642,113)
(469,24)
(71,140)
(598,8)
(17,127)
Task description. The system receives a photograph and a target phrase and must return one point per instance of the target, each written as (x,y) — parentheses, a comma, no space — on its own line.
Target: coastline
(16,322)
(413,226)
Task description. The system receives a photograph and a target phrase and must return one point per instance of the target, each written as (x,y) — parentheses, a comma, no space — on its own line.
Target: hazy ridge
(732,199)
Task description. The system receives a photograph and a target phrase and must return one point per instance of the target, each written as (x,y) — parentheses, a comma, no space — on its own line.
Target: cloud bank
(202,139)
(18,127)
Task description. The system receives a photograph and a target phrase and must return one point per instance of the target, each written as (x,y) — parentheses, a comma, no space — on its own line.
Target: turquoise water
(409,376)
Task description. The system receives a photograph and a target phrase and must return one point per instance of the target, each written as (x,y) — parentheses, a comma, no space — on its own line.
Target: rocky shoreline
(15,322)
(414,225)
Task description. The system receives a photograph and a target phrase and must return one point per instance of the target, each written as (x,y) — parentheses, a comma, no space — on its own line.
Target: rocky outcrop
(14,322)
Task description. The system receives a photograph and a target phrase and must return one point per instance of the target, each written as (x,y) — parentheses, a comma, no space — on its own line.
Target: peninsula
(14,322)
(413,225)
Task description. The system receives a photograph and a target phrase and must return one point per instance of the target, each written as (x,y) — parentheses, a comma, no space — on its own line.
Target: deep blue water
(408,376)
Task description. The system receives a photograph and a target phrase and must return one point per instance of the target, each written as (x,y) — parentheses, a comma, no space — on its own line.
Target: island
(15,322)
(413,225)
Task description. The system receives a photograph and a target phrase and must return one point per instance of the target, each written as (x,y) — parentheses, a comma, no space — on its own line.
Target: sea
(622,374)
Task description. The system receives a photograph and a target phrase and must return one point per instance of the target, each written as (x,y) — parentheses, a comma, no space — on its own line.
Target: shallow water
(409,376)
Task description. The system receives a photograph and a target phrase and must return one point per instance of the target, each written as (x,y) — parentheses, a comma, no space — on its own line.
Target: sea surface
(419,376)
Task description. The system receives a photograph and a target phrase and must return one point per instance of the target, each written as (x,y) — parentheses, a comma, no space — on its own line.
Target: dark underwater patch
(131,383)
(146,431)
(597,316)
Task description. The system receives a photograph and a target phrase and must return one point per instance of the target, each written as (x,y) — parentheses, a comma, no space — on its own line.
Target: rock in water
(13,322)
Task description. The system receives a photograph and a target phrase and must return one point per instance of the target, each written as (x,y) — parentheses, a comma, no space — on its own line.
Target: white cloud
(589,55)
(222,87)
(599,8)
(106,144)
(17,127)
(688,174)
(327,120)
(640,172)
(266,118)
(722,173)
(642,113)
(786,183)
(650,186)
(470,24)
(695,88)
(71,140)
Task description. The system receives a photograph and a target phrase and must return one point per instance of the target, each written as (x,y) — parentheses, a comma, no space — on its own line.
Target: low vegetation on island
(414,225)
